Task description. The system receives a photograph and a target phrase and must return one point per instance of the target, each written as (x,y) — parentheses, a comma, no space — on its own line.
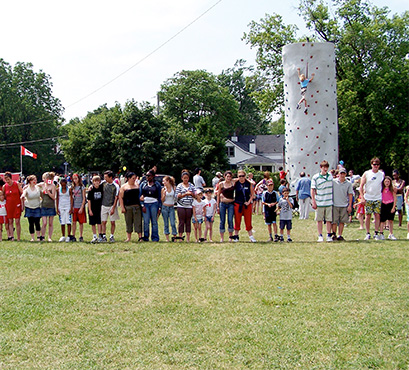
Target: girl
(3,215)
(225,205)
(12,192)
(388,207)
(131,206)
(168,207)
(32,201)
(77,192)
(407,208)
(211,208)
(198,213)
(360,212)
(48,212)
(185,193)
(64,209)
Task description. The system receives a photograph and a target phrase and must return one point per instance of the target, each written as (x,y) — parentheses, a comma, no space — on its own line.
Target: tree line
(199,110)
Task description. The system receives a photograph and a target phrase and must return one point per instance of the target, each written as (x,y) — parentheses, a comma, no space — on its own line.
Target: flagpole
(21,163)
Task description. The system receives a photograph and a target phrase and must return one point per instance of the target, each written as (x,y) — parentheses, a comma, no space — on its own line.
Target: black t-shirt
(95,196)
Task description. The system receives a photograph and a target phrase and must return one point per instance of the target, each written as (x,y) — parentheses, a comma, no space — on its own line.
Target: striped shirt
(323,186)
(185,202)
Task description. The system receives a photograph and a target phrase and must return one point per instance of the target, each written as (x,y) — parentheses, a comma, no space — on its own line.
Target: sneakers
(94,240)
(281,238)
(81,239)
(334,237)
(67,239)
(111,239)
(320,239)
(391,237)
(252,239)
(368,236)
(329,238)
(377,237)
(289,240)
(235,238)
(340,238)
(276,238)
(73,239)
(381,237)
(62,239)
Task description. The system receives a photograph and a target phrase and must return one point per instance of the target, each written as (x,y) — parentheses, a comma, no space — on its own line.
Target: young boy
(3,214)
(63,210)
(304,83)
(198,212)
(210,206)
(109,205)
(270,200)
(94,208)
(321,195)
(286,204)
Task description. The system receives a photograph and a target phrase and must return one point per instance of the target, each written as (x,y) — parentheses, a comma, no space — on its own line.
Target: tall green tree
(372,71)
(28,113)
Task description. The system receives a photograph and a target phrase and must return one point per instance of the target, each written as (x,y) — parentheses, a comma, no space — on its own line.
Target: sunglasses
(376,164)
(242,176)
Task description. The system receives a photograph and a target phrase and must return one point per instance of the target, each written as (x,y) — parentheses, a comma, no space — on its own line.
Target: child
(77,192)
(388,207)
(285,204)
(210,206)
(407,208)
(63,209)
(198,211)
(360,212)
(304,83)
(270,200)
(3,215)
(94,208)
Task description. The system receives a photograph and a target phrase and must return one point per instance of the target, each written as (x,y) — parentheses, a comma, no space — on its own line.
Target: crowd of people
(333,195)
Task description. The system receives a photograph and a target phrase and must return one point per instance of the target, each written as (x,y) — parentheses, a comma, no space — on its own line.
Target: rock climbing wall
(311,131)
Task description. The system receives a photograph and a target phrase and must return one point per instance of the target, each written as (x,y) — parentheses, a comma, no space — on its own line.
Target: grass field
(245,305)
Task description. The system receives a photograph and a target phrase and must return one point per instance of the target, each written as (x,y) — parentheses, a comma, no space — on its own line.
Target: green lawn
(162,305)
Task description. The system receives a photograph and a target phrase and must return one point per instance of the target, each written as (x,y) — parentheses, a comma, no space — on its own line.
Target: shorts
(209,219)
(48,212)
(373,206)
(199,220)
(386,214)
(95,219)
(4,220)
(286,223)
(80,217)
(323,214)
(65,217)
(105,214)
(340,215)
(270,218)
(399,202)
(360,209)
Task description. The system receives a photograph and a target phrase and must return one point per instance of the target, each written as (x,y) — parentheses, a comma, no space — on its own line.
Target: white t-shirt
(3,211)
(199,208)
(210,204)
(198,182)
(373,185)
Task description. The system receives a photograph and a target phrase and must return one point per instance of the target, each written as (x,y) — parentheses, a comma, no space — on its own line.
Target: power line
(147,56)
(32,141)
(29,123)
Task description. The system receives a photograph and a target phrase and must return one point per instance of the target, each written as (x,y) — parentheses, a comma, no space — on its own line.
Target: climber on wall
(304,83)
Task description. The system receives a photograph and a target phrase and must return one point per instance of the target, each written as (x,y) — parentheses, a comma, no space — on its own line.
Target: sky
(84,45)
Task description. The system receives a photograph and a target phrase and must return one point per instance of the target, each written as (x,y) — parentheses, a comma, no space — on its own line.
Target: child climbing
(304,83)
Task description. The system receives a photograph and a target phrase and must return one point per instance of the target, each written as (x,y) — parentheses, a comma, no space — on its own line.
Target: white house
(262,152)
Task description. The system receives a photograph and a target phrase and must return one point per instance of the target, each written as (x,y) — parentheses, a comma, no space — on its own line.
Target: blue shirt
(304,188)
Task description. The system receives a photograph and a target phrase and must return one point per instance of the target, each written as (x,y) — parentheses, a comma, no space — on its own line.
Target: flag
(26,152)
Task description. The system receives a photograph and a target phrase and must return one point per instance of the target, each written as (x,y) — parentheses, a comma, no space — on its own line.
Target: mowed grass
(163,305)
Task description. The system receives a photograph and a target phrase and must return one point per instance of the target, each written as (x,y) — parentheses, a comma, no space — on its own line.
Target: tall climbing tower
(311,124)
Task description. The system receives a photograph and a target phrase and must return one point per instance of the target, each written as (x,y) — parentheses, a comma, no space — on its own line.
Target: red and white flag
(26,152)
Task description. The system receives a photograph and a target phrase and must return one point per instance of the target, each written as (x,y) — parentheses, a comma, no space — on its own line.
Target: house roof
(259,160)
(264,143)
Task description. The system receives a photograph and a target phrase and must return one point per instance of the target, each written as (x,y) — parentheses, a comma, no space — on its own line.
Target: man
(371,194)
(198,180)
(216,180)
(321,194)
(342,199)
(109,203)
(303,196)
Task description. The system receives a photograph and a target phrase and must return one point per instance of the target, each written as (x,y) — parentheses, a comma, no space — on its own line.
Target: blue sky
(85,44)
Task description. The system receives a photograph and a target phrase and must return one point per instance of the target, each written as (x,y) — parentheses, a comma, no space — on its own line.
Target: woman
(168,207)
(48,205)
(399,186)
(244,194)
(78,197)
(12,191)
(151,202)
(185,195)
(129,200)
(32,202)
(225,204)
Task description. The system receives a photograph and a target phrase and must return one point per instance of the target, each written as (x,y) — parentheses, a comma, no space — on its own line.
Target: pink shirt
(387,196)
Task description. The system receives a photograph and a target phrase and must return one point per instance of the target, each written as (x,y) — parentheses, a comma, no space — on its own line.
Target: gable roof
(264,143)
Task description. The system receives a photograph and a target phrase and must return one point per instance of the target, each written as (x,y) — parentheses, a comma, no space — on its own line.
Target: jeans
(151,215)
(168,214)
(229,208)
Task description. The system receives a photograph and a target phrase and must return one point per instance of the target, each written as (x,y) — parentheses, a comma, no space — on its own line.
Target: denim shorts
(199,221)
(48,212)
(209,218)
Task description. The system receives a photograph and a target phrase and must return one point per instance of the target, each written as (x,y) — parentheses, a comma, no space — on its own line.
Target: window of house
(230,151)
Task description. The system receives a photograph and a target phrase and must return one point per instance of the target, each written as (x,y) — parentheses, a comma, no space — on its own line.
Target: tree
(372,74)
(28,113)
(235,79)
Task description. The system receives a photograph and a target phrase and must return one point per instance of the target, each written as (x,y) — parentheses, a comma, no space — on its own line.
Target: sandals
(174,238)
